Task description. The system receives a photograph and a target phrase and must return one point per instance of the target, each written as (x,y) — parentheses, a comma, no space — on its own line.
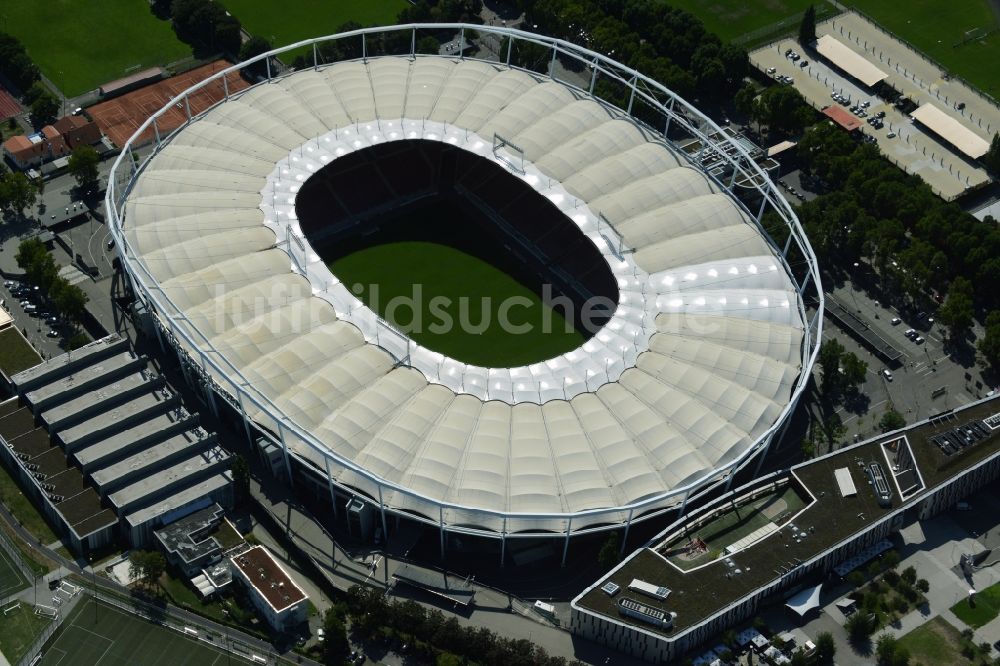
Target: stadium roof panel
(846,59)
(951,130)
(705,358)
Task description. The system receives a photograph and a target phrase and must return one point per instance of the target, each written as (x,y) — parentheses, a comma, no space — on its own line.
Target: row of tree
(40,269)
(871,210)
(665,43)
(15,65)
(433,636)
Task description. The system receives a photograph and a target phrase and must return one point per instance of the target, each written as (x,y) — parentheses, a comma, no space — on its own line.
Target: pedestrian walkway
(73,275)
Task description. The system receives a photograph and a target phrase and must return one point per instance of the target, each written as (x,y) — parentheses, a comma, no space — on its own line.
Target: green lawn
(731,526)
(80,46)
(734,19)
(987,607)
(11,580)
(936,642)
(109,635)
(282,25)
(18,630)
(936,27)
(22,508)
(460,303)
(15,353)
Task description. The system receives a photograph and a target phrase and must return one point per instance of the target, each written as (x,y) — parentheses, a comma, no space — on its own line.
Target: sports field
(108,636)
(79,46)
(11,580)
(743,19)
(421,287)
(282,24)
(938,28)
(19,629)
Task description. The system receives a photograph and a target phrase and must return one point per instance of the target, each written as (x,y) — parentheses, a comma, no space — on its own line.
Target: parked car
(804,63)
(895,321)
(887,374)
(919,340)
(30,308)
(910,333)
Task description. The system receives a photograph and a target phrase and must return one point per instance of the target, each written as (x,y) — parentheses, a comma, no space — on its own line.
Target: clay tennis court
(120,117)
(8,105)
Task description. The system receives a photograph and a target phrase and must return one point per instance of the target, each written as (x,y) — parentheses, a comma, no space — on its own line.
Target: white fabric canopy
(702,356)
(804,601)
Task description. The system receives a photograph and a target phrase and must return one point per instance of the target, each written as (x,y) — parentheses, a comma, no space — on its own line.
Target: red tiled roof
(847,120)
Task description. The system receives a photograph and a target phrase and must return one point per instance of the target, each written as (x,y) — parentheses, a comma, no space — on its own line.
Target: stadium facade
(692,376)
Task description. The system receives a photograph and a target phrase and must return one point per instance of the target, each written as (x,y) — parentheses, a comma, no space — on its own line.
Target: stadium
(685,372)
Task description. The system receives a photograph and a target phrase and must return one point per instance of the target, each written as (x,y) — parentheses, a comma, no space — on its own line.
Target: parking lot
(927,381)
(914,151)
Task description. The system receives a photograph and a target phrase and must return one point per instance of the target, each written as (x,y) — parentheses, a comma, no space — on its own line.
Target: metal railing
(677,116)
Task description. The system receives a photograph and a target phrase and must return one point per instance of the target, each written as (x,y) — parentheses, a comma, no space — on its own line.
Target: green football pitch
(96,634)
(739,19)
(11,580)
(938,29)
(283,24)
(456,304)
(79,46)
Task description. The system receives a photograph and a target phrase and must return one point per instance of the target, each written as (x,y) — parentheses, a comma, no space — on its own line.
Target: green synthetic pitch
(420,287)
(109,636)
(80,46)
(19,629)
(938,29)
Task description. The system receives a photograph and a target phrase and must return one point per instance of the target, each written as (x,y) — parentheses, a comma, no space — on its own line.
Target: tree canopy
(251,48)
(17,192)
(807,29)
(83,165)
(992,157)
(146,566)
(206,26)
(15,65)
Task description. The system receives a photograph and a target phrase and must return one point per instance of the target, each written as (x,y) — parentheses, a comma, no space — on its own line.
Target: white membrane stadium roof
(713,332)
(952,131)
(854,64)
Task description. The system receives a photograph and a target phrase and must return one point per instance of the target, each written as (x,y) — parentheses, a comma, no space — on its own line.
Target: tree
(15,63)
(783,109)
(69,299)
(885,649)
(854,370)
(608,556)
(807,29)
(859,627)
(32,257)
(241,479)
(743,101)
(251,48)
(891,559)
(923,586)
(83,165)
(830,353)
(909,574)
(956,313)
(44,108)
(891,420)
(335,642)
(428,44)
(146,566)
(826,648)
(17,192)
(989,344)
(992,157)
(856,578)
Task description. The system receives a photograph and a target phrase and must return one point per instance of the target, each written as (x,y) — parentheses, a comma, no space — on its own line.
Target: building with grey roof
(129,440)
(188,543)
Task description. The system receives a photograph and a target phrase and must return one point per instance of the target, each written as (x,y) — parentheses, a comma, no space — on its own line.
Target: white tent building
(694,373)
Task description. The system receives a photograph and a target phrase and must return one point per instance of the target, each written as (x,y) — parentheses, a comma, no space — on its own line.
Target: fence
(16,557)
(971,86)
(34,653)
(785,26)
